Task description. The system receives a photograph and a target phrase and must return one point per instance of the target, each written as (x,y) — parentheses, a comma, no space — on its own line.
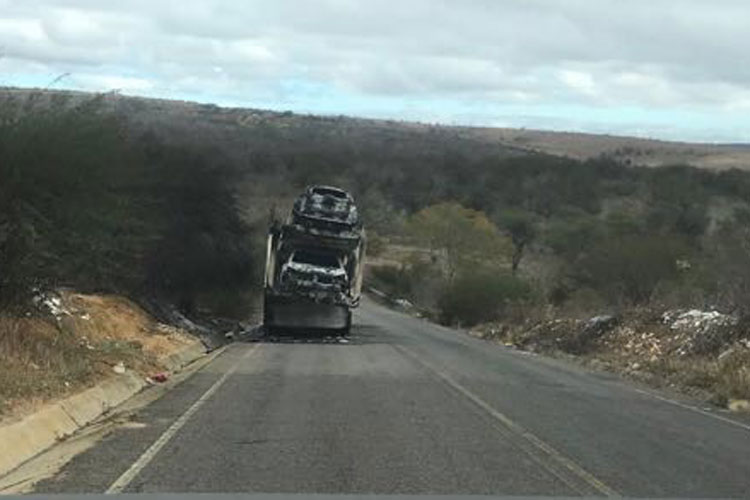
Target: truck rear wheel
(267,326)
(347,329)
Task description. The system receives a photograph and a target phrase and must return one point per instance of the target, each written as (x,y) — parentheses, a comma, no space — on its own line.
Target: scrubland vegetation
(152,199)
(171,199)
(87,203)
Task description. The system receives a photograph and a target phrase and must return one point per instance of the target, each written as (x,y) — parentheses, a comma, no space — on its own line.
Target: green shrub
(65,200)
(393,280)
(475,297)
(569,236)
(85,204)
(629,268)
(376,244)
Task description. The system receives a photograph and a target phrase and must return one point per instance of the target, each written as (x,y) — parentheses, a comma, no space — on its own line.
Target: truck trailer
(314,264)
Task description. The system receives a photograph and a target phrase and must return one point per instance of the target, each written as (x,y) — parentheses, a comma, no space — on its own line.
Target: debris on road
(404,303)
(601,324)
(696,320)
(50,302)
(160,377)
(702,332)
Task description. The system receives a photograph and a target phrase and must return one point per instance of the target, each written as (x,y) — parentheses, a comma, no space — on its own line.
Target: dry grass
(39,360)
(721,380)
(42,358)
(115,319)
(643,348)
(639,151)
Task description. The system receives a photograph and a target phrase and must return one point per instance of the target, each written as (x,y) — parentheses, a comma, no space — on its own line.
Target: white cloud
(579,81)
(95,82)
(22,29)
(671,55)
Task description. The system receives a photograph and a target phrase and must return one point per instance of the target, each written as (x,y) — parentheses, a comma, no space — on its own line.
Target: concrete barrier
(22,440)
(183,357)
(92,403)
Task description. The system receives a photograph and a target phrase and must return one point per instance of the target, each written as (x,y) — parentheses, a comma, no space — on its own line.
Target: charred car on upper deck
(326,209)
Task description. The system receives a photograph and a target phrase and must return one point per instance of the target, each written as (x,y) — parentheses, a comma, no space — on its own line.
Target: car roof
(321,189)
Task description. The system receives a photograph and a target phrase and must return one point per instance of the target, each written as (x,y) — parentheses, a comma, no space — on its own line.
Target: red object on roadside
(160,377)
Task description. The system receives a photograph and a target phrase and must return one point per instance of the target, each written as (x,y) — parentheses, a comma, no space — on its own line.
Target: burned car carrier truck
(314,264)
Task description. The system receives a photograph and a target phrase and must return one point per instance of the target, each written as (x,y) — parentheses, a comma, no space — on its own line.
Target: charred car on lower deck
(314,274)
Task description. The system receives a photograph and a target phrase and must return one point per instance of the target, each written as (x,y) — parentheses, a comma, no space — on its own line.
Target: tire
(265,311)
(346,330)
(267,327)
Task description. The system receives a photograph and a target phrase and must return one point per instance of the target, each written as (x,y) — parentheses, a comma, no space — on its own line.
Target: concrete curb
(178,360)
(21,441)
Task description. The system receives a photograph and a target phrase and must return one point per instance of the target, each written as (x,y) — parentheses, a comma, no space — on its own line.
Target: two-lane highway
(409,407)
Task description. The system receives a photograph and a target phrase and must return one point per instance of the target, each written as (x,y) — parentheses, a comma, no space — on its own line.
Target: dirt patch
(73,342)
(111,319)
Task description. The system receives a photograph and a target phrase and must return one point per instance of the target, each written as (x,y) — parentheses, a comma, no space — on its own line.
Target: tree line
(87,203)
(147,201)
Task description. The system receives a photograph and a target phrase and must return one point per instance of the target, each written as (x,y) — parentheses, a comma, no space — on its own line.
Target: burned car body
(314,264)
(327,210)
(315,275)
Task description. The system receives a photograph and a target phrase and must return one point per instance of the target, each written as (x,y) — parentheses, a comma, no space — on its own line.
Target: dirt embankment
(74,341)
(703,353)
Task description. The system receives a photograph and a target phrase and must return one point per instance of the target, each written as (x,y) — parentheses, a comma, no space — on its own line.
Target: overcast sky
(673,69)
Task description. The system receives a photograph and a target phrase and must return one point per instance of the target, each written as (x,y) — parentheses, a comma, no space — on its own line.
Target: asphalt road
(409,407)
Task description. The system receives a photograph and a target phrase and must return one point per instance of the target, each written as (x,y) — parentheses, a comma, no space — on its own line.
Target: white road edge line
(127,477)
(561,459)
(693,408)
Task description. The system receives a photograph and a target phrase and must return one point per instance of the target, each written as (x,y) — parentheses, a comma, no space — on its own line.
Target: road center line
(515,428)
(127,477)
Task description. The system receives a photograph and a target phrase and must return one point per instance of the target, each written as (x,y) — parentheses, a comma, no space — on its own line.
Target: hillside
(228,128)
(629,150)
(169,198)
(167,202)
